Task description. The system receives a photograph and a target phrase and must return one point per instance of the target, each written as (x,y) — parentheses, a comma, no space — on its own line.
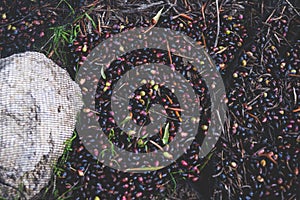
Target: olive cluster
(230,38)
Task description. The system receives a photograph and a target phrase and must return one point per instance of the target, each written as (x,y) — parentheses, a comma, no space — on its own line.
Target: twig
(294,75)
(157,145)
(269,156)
(250,102)
(48,41)
(255,117)
(293,7)
(73,186)
(203,12)
(218,21)
(222,50)
(183,15)
(295,96)
(218,174)
(270,16)
(296,110)
(169,53)
(141,7)
(204,41)
(172,6)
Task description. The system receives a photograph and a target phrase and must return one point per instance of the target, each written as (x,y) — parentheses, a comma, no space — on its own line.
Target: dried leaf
(157,16)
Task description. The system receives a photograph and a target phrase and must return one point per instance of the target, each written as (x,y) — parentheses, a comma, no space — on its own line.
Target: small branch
(142,7)
(218,21)
(157,145)
(293,7)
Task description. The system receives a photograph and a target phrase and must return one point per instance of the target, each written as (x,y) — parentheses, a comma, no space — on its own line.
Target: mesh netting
(38,106)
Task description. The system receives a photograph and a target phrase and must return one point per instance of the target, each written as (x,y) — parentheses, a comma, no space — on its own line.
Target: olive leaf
(127,119)
(165,138)
(168,155)
(102,73)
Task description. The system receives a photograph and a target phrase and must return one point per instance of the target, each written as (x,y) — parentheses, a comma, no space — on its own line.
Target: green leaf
(145,136)
(91,19)
(103,152)
(140,143)
(111,134)
(144,169)
(68,4)
(147,106)
(165,138)
(125,120)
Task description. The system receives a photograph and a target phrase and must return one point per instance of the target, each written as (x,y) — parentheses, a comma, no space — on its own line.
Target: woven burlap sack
(39,103)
